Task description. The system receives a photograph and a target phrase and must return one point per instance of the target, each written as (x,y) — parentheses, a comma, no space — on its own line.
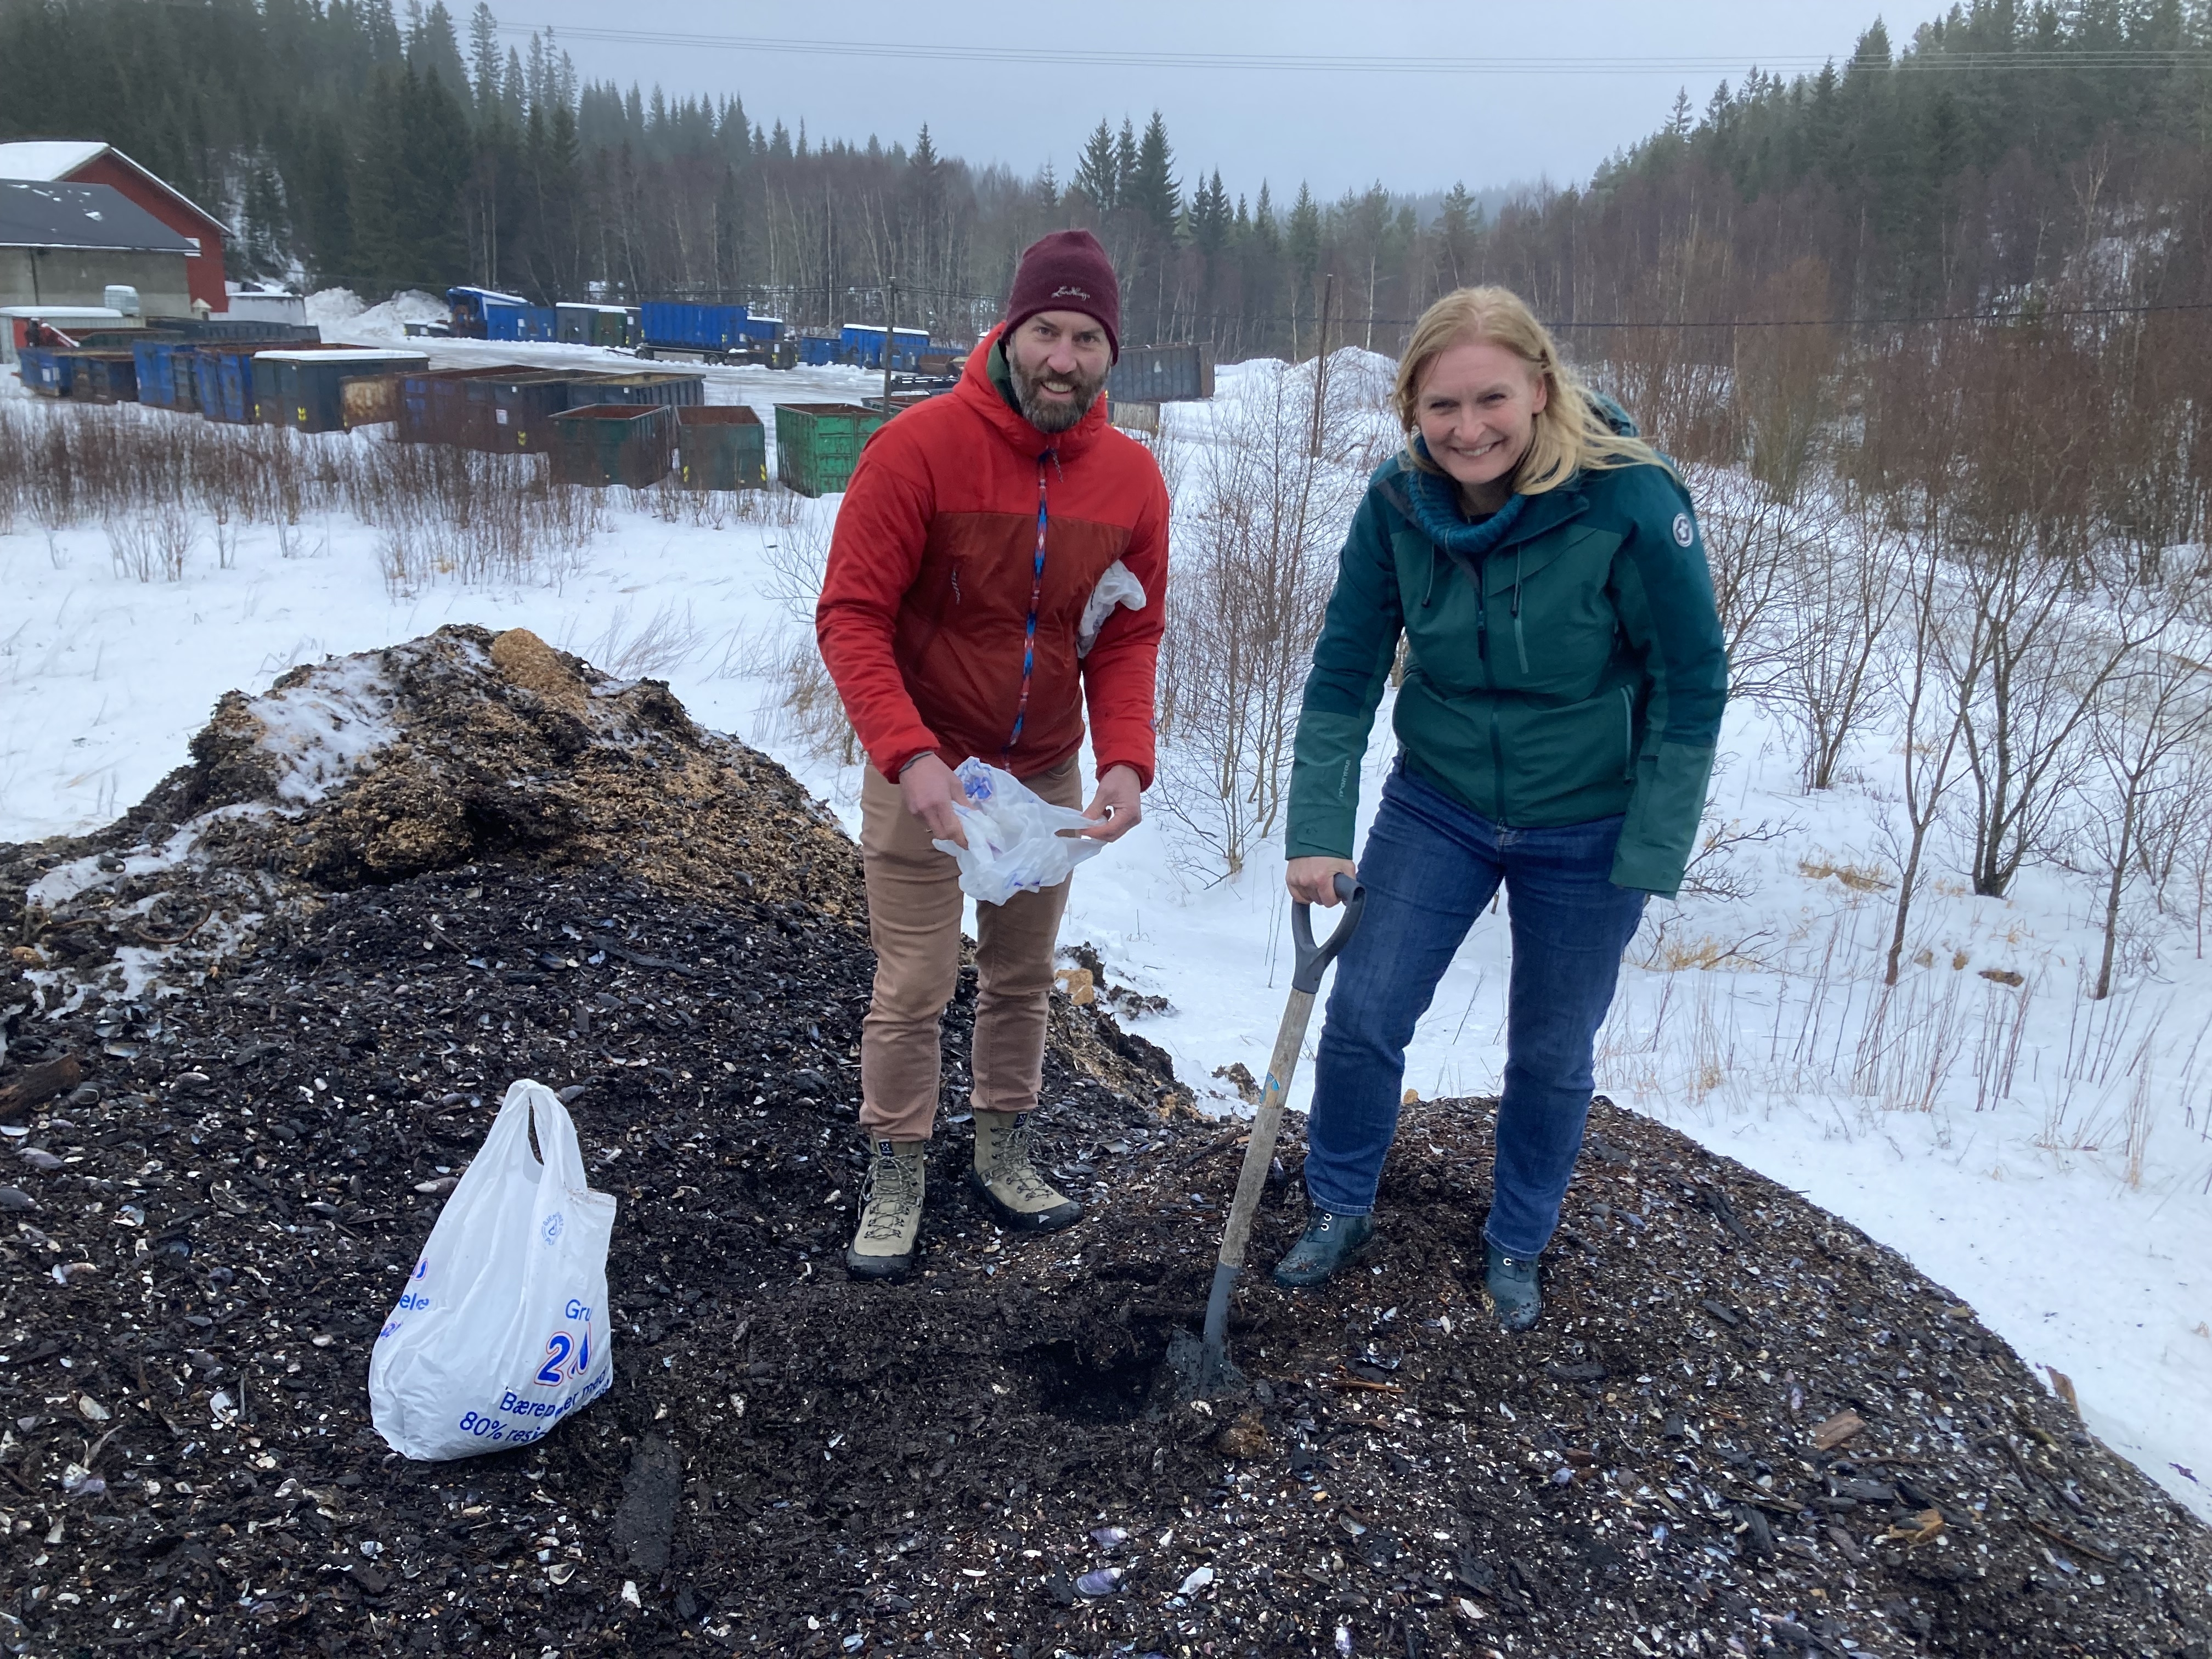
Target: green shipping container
(817,444)
(309,386)
(722,446)
(614,443)
(677,390)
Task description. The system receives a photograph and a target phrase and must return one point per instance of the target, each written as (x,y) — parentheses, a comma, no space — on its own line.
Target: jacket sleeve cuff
(1143,769)
(895,757)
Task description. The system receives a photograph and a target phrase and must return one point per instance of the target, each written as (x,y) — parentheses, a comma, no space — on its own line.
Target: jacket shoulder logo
(1685,532)
(1064,292)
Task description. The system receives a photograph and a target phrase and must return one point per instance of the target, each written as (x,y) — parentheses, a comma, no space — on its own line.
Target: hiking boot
(891,1212)
(1330,1242)
(1008,1183)
(1508,1284)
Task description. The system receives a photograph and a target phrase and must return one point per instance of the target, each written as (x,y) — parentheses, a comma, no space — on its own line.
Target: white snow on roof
(46,158)
(360,355)
(65,313)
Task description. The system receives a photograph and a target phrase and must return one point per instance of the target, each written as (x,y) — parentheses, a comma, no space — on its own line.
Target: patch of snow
(388,320)
(2018,1200)
(321,728)
(334,305)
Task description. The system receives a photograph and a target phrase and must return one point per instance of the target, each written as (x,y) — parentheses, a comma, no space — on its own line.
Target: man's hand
(1118,804)
(1313,881)
(931,791)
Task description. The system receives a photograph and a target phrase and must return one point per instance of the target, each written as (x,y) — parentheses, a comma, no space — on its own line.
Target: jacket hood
(976,391)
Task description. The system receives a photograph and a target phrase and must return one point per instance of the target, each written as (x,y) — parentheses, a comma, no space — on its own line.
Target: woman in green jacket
(1565,677)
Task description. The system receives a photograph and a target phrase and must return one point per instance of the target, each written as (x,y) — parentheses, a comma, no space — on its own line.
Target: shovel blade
(1200,1370)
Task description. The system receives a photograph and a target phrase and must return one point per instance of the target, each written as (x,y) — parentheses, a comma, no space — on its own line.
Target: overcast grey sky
(1562,84)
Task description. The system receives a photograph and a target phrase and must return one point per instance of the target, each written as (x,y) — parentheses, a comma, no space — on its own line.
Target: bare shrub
(174,537)
(1782,376)
(1756,543)
(443,513)
(1842,592)
(1933,710)
(2157,707)
(805,708)
(658,646)
(1259,530)
(131,547)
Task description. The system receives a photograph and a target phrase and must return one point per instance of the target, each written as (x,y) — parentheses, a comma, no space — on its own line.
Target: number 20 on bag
(566,1354)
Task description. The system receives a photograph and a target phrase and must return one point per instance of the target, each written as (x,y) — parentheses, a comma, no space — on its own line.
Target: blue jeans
(1430,866)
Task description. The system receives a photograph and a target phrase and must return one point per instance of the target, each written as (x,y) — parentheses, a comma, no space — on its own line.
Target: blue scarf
(1437,515)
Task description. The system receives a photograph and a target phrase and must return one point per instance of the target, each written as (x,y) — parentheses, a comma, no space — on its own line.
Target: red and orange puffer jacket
(966,548)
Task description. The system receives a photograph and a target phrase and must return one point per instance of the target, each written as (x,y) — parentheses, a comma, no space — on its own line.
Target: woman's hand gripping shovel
(1202,1365)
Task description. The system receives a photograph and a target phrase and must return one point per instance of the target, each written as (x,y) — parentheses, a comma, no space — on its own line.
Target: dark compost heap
(255,1029)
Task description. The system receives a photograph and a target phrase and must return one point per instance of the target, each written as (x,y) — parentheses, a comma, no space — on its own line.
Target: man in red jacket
(975,527)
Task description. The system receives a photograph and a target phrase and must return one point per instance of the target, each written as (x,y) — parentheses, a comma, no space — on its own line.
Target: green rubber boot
(1329,1243)
(1508,1284)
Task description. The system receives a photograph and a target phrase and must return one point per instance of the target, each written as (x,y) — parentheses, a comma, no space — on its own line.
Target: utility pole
(1321,366)
(891,334)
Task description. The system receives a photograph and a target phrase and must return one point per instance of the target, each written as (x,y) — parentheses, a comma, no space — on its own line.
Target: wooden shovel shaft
(1266,1124)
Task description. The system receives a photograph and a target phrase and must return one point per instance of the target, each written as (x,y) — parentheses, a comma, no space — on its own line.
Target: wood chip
(1347,1380)
(41,1082)
(1924,1528)
(1837,1430)
(2074,1544)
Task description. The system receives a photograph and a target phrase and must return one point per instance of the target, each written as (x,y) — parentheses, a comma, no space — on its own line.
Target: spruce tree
(1094,170)
(1153,190)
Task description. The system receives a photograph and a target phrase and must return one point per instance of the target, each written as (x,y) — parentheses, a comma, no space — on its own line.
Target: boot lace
(1010,1163)
(887,1193)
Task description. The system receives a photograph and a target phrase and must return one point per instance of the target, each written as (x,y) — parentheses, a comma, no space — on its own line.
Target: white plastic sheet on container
(503,1329)
(1015,843)
(1116,587)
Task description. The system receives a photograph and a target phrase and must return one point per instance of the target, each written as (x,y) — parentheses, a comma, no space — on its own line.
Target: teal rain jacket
(1564,663)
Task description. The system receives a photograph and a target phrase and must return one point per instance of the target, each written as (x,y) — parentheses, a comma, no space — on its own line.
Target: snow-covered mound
(343,308)
(368,769)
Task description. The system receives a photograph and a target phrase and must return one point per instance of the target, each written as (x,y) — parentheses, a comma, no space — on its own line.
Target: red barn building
(88,161)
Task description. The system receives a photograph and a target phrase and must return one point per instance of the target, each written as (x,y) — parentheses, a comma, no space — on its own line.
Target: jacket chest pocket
(1445,631)
(1552,622)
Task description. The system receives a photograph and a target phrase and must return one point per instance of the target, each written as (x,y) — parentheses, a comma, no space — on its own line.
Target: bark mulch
(1742,1427)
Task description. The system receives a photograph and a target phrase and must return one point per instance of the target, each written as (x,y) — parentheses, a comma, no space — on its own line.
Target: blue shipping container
(469,306)
(503,322)
(817,349)
(763,328)
(864,342)
(44,370)
(701,328)
(226,382)
(165,373)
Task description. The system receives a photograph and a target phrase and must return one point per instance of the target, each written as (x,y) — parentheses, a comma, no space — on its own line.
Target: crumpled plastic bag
(1014,839)
(503,1330)
(1116,587)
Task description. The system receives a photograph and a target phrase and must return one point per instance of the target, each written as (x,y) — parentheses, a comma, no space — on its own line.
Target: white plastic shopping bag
(1015,842)
(1116,587)
(503,1329)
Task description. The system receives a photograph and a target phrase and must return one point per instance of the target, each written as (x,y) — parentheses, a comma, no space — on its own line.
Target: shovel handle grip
(1312,960)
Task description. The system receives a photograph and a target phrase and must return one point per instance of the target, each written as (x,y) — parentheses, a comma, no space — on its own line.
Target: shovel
(1203,1366)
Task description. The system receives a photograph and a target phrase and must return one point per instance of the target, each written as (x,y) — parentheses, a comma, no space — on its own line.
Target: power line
(954,297)
(2136,60)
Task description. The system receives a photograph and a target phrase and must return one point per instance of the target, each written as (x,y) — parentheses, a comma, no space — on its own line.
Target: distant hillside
(2010,154)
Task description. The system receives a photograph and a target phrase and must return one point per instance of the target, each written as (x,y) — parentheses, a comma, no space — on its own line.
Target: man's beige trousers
(914,921)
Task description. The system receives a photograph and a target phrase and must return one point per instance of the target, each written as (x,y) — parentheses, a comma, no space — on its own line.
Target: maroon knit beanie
(1067,270)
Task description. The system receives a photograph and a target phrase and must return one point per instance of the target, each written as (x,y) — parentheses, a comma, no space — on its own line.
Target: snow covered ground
(2046,1158)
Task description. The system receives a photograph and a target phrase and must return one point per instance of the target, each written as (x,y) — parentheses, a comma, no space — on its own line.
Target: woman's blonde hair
(1571,435)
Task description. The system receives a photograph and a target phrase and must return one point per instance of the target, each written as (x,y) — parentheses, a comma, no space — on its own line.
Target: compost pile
(1742,1427)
